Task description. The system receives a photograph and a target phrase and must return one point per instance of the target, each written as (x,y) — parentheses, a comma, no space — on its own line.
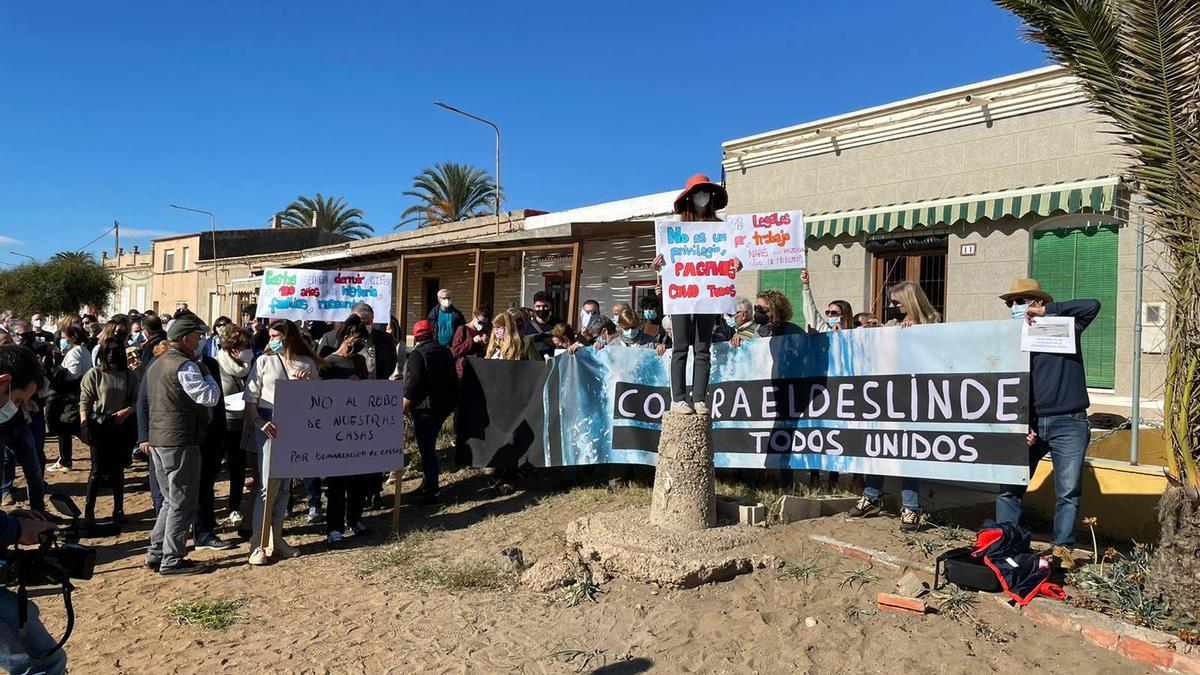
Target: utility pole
(117,243)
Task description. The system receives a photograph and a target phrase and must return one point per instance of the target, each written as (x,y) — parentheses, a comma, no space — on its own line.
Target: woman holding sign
(697,203)
(287,357)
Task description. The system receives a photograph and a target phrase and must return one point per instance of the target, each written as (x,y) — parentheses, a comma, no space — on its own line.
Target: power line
(96,239)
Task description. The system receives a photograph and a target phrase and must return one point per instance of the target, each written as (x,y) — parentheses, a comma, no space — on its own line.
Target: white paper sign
(322,295)
(769,241)
(1052,334)
(700,266)
(337,428)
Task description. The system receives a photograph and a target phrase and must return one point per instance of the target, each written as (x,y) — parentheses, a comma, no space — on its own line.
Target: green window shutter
(1080,263)
(787,281)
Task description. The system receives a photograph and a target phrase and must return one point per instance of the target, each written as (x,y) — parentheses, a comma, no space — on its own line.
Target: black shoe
(140,456)
(866,507)
(153,563)
(119,518)
(184,567)
(910,520)
(361,530)
(425,490)
(430,500)
(214,543)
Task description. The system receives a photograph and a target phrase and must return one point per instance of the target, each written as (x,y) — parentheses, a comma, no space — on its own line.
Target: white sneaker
(314,515)
(235,519)
(681,408)
(701,408)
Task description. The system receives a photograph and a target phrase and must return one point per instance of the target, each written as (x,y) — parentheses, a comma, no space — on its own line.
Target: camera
(52,563)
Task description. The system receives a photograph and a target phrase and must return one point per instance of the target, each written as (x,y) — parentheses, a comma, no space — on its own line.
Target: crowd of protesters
(189,399)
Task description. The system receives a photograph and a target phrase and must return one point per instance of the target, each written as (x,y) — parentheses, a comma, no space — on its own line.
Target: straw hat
(1027,288)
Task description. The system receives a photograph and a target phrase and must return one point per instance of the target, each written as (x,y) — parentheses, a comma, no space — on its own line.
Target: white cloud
(9,241)
(138,233)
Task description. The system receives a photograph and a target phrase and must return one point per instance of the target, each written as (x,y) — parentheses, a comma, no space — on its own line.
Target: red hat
(422,329)
(720,197)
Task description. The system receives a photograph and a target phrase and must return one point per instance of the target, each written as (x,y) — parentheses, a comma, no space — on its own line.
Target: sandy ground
(435,601)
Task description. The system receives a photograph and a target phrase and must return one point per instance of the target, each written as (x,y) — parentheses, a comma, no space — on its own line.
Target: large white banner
(322,295)
(769,241)
(700,266)
(337,428)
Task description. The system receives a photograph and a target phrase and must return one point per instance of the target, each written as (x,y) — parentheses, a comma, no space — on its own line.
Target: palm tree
(74,256)
(447,193)
(1139,63)
(333,215)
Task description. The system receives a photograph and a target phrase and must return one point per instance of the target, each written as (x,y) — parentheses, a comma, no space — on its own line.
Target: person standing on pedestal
(697,203)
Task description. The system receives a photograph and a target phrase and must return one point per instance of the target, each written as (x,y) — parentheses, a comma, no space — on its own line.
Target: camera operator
(20,375)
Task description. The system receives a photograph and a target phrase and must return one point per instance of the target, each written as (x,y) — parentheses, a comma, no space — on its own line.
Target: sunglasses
(1018,301)
(893,303)
(833,312)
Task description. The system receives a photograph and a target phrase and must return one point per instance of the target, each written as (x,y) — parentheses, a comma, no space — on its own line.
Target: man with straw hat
(1058,423)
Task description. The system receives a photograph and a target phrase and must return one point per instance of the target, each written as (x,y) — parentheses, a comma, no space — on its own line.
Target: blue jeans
(13,656)
(20,447)
(278,508)
(426,427)
(8,471)
(910,491)
(1065,438)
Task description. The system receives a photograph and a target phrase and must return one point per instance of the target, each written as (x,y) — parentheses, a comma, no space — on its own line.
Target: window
(429,289)
(1081,262)
(169,260)
(918,259)
(487,290)
(558,285)
(187,257)
(640,289)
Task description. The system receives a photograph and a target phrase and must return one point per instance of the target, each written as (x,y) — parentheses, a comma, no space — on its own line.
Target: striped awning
(1097,195)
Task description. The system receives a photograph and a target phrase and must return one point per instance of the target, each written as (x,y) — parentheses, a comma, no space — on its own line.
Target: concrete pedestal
(684,494)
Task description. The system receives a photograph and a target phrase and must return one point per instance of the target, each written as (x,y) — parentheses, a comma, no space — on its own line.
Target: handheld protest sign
(699,267)
(321,295)
(769,241)
(337,428)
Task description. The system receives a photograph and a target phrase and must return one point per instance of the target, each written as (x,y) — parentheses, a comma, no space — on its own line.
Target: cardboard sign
(322,295)
(1051,334)
(337,428)
(700,266)
(769,241)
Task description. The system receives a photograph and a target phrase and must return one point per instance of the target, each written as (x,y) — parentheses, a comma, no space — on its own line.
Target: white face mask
(1018,311)
(445,302)
(700,200)
(585,318)
(37,323)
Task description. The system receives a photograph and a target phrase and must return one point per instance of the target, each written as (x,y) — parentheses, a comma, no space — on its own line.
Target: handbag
(960,567)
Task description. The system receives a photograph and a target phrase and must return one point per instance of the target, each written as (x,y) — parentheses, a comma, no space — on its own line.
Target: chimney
(104,254)
(314,220)
(120,251)
(135,249)
(275,222)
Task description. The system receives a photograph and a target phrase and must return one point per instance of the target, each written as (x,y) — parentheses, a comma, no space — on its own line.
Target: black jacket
(148,352)
(431,380)
(455,321)
(1058,380)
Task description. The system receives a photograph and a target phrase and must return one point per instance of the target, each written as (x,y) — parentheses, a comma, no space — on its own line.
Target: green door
(1078,263)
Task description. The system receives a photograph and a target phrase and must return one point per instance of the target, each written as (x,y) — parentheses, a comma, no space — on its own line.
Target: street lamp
(213,222)
(497,130)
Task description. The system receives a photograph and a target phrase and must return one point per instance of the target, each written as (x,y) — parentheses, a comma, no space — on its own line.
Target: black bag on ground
(958,566)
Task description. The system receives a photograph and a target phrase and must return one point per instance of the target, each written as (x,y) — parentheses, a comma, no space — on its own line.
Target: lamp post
(497,130)
(212,218)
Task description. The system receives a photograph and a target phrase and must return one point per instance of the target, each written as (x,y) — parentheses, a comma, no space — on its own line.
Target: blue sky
(113,110)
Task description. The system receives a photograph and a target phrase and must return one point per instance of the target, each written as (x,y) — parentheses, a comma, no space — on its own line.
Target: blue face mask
(64,344)
(275,346)
(8,411)
(630,333)
(649,314)
(1018,311)
(833,320)
(730,321)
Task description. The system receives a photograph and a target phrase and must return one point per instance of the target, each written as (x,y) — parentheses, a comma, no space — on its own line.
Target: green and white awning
(1097,195)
